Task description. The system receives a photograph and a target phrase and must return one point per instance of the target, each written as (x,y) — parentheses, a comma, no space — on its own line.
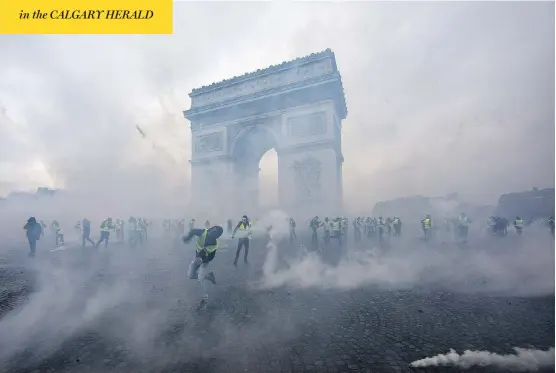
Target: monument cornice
(335,77)
(327,53)
(317,68)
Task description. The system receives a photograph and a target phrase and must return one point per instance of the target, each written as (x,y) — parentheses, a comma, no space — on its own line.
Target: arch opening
(268,180)
(249,150)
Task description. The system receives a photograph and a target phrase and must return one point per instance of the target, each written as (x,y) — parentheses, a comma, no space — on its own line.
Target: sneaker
(202,305)
(211,278)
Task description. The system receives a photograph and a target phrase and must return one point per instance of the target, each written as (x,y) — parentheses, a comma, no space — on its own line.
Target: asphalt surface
(124,310)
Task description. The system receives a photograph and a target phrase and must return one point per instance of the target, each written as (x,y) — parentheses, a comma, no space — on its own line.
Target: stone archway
(247,147)
(296,108)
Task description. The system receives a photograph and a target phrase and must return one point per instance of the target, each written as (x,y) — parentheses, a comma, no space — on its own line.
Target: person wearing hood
(206,246)
(33,231)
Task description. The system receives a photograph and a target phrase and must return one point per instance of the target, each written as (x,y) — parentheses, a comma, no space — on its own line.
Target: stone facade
(296,108)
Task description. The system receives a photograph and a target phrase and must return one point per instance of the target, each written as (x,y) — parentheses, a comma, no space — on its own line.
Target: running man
(206,246)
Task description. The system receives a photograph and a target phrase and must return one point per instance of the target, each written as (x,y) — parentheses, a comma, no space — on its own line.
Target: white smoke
(524,267)
(279,223)
(278,220)
(525,360)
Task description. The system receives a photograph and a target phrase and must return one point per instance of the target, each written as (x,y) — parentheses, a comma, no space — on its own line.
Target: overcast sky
(442,96)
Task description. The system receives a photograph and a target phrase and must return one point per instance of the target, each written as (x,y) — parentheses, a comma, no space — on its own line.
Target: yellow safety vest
(244,227)
(519,223)
(427,223)
(104,226)
(201,243)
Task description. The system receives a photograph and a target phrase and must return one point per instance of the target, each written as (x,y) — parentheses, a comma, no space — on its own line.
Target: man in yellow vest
(426,225)
(206,246)
(244,226)
(518,224)
(58,232)
(105,228)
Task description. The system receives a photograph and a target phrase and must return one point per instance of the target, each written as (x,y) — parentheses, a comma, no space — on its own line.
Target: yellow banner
(86,17)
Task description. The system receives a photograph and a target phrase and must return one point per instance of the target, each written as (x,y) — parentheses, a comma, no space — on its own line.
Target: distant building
(416,207)
(530,205)
(43,191)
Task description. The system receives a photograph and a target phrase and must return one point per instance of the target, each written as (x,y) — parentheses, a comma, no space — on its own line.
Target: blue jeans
(32,245)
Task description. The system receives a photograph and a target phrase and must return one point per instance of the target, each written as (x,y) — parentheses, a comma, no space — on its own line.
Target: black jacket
(33,229)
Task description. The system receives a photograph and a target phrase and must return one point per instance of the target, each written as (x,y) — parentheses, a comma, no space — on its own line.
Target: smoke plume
(524,360)
(488,265)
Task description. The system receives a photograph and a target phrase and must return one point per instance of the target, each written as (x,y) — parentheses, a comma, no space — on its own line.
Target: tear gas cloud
(434,107)
(511,267)
(524,360)
(130,300)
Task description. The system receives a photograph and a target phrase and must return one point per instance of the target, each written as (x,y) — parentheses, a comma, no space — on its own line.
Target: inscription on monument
(295,73)
(209,143)
(307,125)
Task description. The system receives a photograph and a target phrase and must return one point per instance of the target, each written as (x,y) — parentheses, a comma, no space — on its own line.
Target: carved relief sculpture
(307,179)
(209,143)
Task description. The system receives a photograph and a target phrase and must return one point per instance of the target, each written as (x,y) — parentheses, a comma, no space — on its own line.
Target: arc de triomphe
(296,108)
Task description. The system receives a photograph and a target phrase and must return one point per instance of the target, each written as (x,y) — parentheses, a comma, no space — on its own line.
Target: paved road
(131,311)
